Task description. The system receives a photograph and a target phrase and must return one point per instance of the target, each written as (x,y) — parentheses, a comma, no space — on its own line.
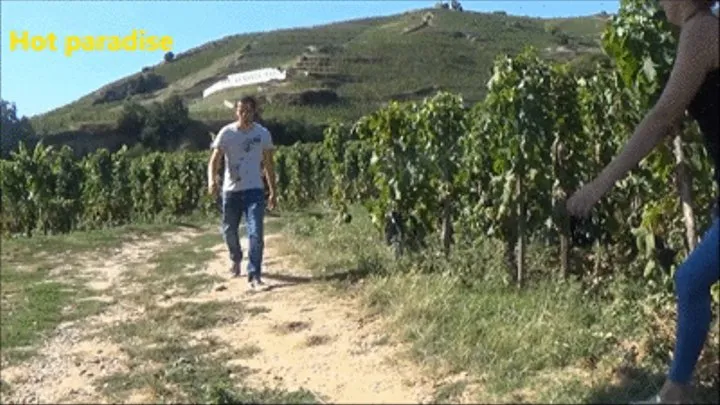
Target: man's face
(245,111)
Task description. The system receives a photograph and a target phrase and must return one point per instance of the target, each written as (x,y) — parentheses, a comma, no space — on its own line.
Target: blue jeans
(692,282)
(251,203)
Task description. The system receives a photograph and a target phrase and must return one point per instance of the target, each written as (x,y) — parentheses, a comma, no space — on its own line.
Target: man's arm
(268,161)
(217,154)
(213,164)
(269,169)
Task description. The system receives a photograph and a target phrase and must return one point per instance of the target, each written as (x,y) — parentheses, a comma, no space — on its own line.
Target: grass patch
(52,250)
(170,368)
(339,253)
(183,317)
(317,340)
(33,305)
(549,342)
(180,269)
(257,310)
(181,266)
(220,394)
(174,368)
(290,327)
(505,335)
(5,387)
(168,365)
(190,374)
(165,363)
(448,392)
(196,316)
(247,351)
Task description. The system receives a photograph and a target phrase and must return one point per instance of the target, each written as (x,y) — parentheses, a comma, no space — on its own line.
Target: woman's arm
(689,70)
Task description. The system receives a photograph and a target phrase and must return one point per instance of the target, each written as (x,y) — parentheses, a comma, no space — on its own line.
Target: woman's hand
(580,203)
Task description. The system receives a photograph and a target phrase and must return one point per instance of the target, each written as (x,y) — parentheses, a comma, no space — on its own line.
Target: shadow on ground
(188,225)
(351,275)
(638,385)
(304,213)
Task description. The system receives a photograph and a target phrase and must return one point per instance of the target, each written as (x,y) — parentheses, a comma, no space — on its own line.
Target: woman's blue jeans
(692,282)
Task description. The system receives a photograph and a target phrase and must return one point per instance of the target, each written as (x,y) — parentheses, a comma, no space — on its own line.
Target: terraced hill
(339,70)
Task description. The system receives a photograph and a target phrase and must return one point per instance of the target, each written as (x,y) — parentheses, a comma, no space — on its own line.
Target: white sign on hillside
(246,78)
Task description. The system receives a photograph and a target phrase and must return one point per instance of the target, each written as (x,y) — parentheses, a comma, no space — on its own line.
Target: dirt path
(298,338)
(303,338)
(73,357)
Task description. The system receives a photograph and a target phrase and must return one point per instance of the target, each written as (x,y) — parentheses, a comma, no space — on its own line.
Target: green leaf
(649,268)
(649,69)
(649,242)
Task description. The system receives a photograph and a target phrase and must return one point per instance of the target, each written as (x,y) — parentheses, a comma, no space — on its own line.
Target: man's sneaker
(261,284)
(235,270)
(251,286)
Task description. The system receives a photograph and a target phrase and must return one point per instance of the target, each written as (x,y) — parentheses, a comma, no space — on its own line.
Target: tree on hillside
(14,129)
(132,119)
(165,123)
(159,125)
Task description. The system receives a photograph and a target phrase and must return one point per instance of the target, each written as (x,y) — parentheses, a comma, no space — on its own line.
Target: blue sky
(40,81)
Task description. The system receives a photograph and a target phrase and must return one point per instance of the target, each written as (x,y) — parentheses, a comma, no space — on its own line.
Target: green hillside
(352,67)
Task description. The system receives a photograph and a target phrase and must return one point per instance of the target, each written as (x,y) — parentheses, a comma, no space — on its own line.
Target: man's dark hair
(248,100)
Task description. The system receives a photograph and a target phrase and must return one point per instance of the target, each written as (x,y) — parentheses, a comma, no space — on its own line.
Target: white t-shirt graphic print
(243,152)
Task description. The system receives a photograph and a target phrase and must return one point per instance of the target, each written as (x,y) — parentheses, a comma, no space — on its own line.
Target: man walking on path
(248,151)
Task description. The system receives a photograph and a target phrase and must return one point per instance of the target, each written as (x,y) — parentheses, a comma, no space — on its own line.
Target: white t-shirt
(243,152)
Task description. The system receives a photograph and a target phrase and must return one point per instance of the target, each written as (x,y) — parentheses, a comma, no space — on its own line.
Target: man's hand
(272,202)
(212,170)
(269,171)
(213,187)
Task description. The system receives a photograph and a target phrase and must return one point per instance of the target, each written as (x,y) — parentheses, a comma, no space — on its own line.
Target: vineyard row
(501,168)
(47,190)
